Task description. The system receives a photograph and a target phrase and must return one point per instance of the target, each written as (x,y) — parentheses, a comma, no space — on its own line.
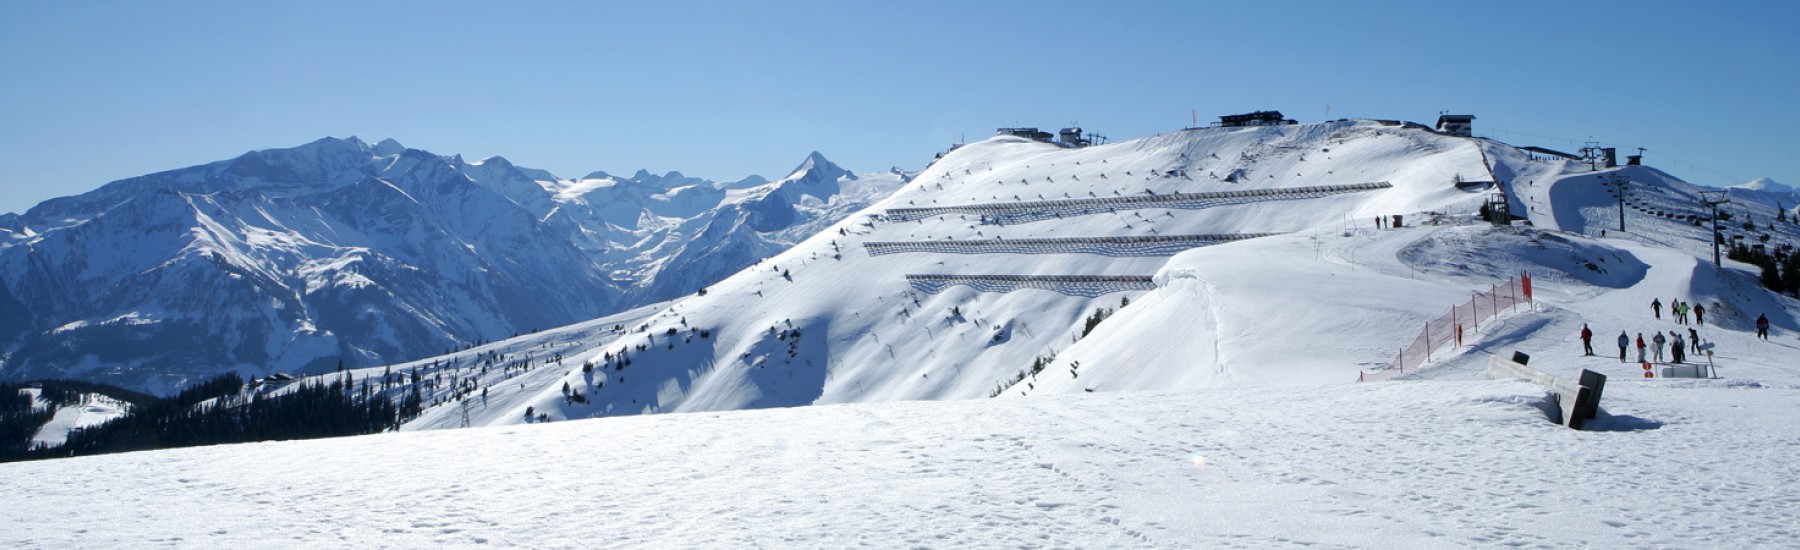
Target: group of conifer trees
(1780,269)
(216,411)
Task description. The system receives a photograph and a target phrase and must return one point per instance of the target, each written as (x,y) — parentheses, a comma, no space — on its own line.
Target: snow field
(1420,464)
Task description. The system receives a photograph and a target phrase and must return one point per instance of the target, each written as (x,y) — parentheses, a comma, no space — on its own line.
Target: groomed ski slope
(93,410)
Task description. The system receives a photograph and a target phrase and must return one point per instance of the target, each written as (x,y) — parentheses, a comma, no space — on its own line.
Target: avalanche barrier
(1030,211)
(1152,245)
(1088,286)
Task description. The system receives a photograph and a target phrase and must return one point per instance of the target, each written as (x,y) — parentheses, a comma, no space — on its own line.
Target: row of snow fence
(1137,245)
(1088,286)
(1027,211)
(1448,328)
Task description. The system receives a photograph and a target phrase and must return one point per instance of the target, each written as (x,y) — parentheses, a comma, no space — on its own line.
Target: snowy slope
(339,251)
(836,319)
(92,409)
(1421,464)
(1768,192)
(867,334)
(1329,299)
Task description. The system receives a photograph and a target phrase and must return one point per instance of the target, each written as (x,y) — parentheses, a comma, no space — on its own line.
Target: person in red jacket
(1640,343)
(1587,340)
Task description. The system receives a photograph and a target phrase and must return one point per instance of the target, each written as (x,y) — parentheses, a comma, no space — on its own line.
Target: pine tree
(1771,275)
(1790,274)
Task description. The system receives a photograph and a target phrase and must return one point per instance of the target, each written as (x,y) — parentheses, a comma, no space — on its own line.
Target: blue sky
(98,91)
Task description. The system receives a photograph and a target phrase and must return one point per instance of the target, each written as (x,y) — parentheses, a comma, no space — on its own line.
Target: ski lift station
(1067,137)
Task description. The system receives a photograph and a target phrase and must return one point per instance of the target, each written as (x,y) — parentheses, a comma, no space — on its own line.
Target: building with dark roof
(1027,133)
(1259,118)
(1456,125)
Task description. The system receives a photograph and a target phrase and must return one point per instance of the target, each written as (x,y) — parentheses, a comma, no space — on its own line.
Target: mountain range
(342,253)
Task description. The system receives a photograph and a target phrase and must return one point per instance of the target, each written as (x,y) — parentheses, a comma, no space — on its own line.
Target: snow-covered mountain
(340,251)
(993,259)
(1767,192)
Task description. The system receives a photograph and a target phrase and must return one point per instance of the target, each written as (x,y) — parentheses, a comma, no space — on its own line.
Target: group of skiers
(1680,309)
(1678,346)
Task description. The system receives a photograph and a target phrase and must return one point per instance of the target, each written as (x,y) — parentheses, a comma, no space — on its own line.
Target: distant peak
(817,167)
(389,147)
(349,145)
(1765,184)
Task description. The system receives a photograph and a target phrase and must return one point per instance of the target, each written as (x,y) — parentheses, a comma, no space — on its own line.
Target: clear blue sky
(92,92)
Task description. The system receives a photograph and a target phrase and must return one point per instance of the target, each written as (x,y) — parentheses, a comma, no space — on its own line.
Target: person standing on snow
(1700,314)
(1656,307)
(1681,310)
(1762,326)
(1624,342)
(1587,340)
(1677,347)
(1640,342)
(1658,341)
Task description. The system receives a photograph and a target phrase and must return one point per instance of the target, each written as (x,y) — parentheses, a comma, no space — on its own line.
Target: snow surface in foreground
(1414,464)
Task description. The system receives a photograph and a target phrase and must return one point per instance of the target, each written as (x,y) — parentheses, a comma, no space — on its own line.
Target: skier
(1762,326)
(1693,338)
(1658,342)
(1700,314)
(1677,347)
(1656,306)
(1624,341)
(1681,309)
(1587,340)
(1640,346)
